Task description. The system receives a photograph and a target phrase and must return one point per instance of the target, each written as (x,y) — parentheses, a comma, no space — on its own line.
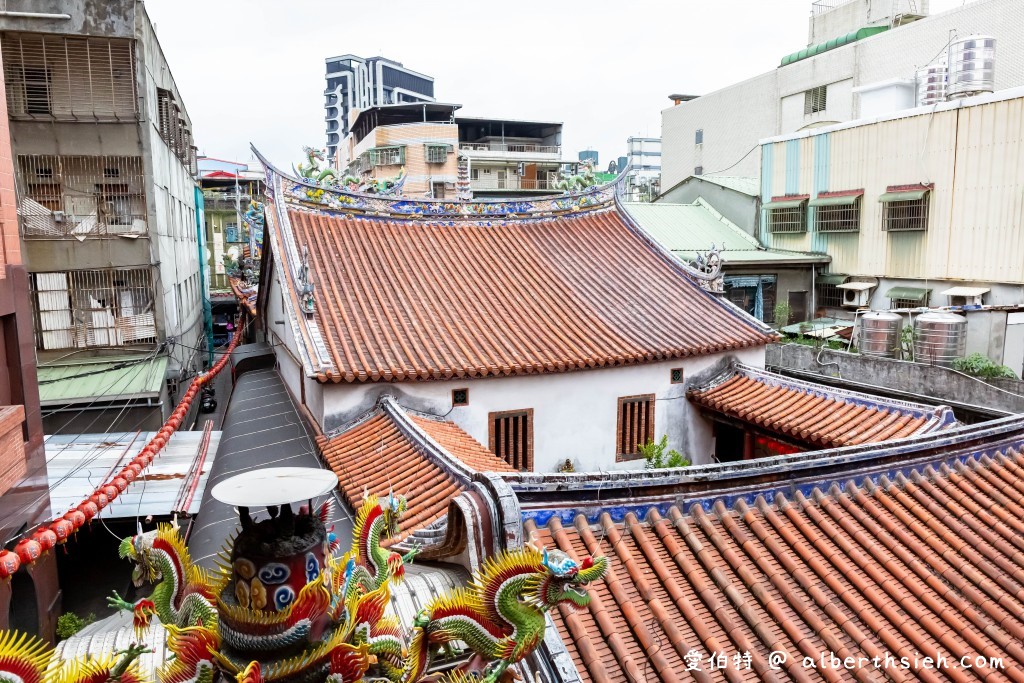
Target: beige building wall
(414,137)
(973,154)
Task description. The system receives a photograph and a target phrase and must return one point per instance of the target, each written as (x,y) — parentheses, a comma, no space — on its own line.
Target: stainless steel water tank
(972,66)
(880,334)
(931,84)
(939,338)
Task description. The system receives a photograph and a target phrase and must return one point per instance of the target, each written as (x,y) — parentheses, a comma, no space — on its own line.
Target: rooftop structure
(355,83)
(854,47)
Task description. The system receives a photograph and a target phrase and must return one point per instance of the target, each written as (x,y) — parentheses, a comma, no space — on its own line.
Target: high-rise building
(589,154)
(645,167)
(362,82)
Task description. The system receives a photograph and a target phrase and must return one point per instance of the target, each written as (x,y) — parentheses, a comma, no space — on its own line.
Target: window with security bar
(511,437)
(788,219)
(69,78)
(81,196)
(828,295)
(838,218)
(905,215)
(387,156)
(635,426)
(81,309)
(436,154)
(815,99)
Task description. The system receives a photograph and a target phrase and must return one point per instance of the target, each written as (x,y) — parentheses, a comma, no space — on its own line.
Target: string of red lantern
(57,531)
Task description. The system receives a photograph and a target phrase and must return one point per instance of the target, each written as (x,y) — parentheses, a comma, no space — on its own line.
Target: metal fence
(69,78)
(81,196)
(93,308)
(519,148)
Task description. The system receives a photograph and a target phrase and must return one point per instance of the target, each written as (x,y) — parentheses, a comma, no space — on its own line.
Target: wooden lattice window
(511,437)
(635,426)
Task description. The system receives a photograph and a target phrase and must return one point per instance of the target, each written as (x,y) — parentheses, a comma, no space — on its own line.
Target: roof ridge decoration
(312,193)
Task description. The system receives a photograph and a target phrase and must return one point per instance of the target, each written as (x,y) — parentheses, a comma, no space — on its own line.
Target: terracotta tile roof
(928,565)
(399,299)
(392,451)
(814,414)
(246,295)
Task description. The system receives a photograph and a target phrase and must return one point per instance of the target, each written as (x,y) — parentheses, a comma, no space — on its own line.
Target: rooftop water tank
(940,338)
(972,66)
(879,334)
(931,84)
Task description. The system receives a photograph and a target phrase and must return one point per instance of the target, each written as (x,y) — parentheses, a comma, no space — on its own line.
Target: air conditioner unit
(856,294)
(966,296)
(58,216)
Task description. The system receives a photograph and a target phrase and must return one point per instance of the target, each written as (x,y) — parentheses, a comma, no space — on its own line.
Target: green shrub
(69,623)
(657,458)
(782,313)
(979,365)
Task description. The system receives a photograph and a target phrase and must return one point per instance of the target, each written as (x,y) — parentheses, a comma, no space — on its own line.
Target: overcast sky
(253,70)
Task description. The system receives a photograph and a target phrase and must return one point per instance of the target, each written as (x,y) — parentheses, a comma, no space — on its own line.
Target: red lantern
(9,564)
(110,490)
(45,538)
(28,551)
(89,509)
(76,517)
(62,529)
(100,500)
(132,471)
(120,482)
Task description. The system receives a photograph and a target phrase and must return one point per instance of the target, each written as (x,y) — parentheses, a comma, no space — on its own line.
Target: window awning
(908,293)
(785,204)
(832,278)
(966,291)
(903,196)
(856,286)
(844,200)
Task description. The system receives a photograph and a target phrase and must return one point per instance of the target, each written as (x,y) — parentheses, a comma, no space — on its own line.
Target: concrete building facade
(922,205)
(718,133)
(104,163)
(355,83)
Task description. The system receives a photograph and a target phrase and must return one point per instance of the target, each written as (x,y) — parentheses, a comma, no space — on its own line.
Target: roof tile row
(929,566)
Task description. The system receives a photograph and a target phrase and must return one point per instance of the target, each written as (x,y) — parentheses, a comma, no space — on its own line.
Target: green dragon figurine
(184,594)
(501,615)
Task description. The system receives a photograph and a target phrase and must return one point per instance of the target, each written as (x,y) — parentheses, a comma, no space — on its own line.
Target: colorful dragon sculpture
(583,179)
(234,623)
(326,178)
(184,594)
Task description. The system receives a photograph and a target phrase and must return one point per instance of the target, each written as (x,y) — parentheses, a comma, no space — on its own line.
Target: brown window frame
(648,426)
(493,417)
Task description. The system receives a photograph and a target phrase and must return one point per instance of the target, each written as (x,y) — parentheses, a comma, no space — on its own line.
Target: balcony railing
(513,183)
(509,147)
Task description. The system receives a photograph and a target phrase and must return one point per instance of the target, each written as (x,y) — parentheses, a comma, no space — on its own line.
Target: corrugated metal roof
(76,464)
(109,378)
(686,228)
(742,184)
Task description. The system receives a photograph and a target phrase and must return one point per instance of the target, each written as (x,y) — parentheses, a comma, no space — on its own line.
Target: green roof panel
(687,228)
(909,293)
(106,379)
(785,204)
(851,37)
(832,278)
(904,196)
(846,200)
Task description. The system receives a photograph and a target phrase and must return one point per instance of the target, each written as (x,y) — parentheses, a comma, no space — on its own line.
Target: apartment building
(104,164)
(854,46)
(511,157)
(355,83)
(644,180)
(427,143)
